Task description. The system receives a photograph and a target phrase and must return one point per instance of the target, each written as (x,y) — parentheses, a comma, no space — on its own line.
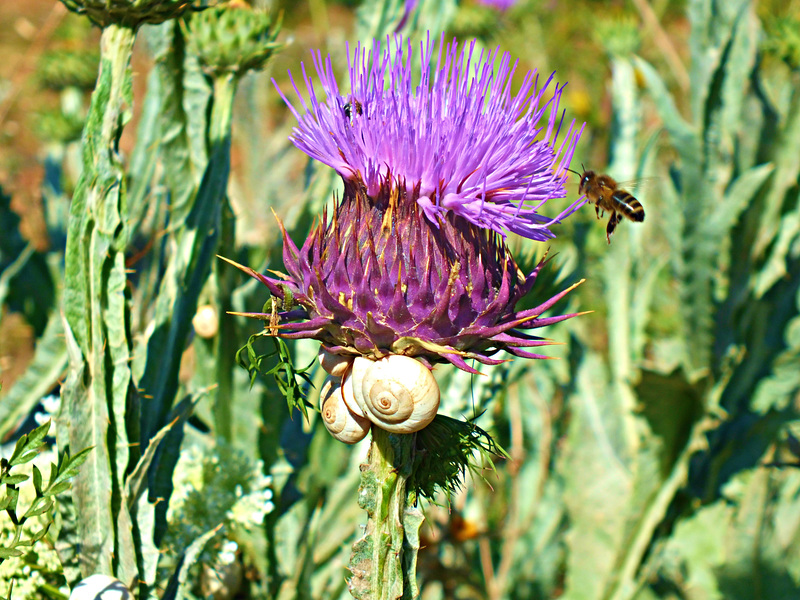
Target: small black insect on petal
(348,109)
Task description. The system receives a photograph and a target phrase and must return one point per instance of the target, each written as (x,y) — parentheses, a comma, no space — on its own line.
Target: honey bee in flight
(606,195)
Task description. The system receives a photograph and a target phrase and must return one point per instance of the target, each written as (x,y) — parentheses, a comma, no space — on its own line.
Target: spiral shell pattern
(339,420)
(397,393)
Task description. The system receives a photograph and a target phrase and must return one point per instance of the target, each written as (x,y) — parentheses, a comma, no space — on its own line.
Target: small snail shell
(334,364)
(100,587)
(397,393)
(339,420)
(349,397)
(205,321)
(360,367)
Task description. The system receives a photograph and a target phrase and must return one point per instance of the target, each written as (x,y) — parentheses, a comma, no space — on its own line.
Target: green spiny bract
(231,38)
(128,13)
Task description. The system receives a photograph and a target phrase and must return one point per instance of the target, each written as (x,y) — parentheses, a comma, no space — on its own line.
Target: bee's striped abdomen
(629,206)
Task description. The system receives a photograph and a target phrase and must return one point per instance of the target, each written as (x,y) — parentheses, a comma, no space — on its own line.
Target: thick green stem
(226,344)
(383,561)
(219,140)
(219,130)
(98,386)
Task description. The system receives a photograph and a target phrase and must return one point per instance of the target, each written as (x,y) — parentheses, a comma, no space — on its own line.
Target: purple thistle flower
(460,137)
(413,259)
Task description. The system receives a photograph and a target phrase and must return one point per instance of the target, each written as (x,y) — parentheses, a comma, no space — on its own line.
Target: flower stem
(219,130)
(383,561)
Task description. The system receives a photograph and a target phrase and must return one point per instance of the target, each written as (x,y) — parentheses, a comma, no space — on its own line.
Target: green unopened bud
(620,36)
(232,38)
(128,13)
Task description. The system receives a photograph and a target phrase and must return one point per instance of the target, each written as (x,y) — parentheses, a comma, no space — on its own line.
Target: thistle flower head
(458,136)
(413,258)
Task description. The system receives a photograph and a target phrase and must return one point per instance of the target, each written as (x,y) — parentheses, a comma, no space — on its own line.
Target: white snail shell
(100,587)
(206,321)
(339,420)
(397,393)
(349,396)
(360,367)
(334,364)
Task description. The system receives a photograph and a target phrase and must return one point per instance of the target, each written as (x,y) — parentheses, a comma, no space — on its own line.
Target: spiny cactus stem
(383,561)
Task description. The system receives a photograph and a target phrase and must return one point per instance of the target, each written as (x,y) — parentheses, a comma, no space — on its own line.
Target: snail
(349,397)
(334,364)
(206,322)
(339,420)
(100,587)
(397,393)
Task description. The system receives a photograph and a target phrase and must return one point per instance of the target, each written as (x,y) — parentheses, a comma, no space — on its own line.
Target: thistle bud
(231,38)
(128,13)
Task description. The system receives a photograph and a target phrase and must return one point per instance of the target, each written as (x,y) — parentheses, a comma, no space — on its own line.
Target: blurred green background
(657,458)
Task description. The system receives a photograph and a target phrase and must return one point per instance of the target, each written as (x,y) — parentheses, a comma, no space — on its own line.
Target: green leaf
(162,468)
(31,294)
(177,303)
(12,270)
(738,196)
(13,479)
(86,422)
(146,151)
(136,482)
(28,446)
(38,506)
(288,379)
(598,470)
(68,468)
(6,553)
(97,392)
(376,20)
(38,535)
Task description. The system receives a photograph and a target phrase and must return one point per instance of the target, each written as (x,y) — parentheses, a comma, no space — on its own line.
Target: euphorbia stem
(383,561)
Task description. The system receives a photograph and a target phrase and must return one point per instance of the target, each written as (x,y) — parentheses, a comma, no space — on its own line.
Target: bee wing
(639,185)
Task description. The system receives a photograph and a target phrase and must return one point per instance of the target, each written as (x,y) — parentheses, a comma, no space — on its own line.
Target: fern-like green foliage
(26,449)
(292,382)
